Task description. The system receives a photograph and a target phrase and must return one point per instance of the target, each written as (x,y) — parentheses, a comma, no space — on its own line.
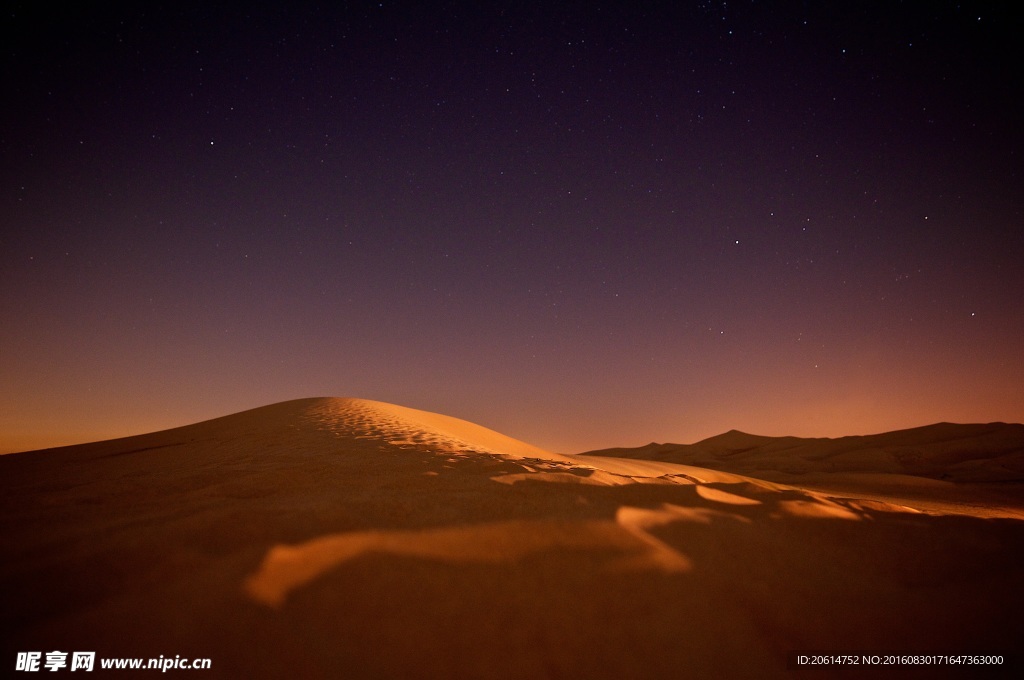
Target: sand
(329,538)
(975,470)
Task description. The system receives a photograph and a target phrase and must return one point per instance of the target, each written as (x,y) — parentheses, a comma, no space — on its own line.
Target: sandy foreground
(341,538)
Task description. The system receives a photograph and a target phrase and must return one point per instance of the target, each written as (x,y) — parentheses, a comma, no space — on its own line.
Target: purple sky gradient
(583,226)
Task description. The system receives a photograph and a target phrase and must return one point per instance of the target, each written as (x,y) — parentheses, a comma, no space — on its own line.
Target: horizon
(5,450)
(584,226)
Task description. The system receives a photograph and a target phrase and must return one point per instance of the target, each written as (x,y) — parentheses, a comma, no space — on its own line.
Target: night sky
(581,224)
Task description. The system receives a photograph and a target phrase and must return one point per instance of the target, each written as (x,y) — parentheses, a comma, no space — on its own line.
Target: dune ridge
(992,452)
(403,426)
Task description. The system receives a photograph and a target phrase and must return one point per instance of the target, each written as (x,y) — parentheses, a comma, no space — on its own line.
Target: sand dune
(328,538)
(946,468)
(946,451)
(403,426)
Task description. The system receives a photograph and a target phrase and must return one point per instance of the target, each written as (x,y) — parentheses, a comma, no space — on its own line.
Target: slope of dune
(975,469)
(992,452)
(324,538)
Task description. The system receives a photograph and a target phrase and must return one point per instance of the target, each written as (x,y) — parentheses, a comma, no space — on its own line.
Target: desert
(484,340)
(330,537)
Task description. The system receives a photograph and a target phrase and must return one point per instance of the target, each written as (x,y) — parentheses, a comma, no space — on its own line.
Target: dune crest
(992,452)
(403,426)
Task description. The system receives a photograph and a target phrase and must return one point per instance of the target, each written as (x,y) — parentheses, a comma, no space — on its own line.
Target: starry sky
(583,224)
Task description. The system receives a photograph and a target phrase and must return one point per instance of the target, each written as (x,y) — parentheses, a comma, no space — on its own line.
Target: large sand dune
(332,538)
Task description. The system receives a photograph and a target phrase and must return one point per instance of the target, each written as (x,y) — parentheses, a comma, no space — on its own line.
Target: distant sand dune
(957,453)
(975,470)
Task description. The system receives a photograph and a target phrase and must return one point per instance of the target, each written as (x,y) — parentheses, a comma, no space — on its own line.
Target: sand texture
(345,538)
(973,469)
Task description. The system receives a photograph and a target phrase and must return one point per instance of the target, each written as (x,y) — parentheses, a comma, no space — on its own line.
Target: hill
(992,452)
